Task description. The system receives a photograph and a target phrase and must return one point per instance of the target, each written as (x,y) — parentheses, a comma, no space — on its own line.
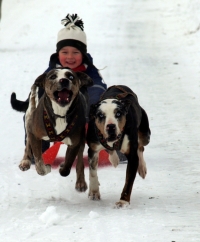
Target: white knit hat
(72,34)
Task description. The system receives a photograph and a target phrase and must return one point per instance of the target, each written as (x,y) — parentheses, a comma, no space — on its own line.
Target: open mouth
(63,97)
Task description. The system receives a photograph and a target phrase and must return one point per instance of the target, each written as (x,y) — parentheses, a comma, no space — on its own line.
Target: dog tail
(20,106)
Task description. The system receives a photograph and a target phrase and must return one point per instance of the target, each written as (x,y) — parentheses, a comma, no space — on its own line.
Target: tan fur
(114,158)
(142,141)
(121,124)
(125,148)
(93,178)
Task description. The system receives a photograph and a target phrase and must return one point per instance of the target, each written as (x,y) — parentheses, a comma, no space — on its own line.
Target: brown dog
(117,122)
(60,115)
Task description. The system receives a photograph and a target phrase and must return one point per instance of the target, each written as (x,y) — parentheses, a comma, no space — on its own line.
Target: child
(71,52)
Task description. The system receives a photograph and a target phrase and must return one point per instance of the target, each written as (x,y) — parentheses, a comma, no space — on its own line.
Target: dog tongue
(64,94)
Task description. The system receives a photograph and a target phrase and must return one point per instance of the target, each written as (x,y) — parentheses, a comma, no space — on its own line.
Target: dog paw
(122,204)
(81,186)
(25,165)
(63,171)
(142,170)
(94,195)
(42,169)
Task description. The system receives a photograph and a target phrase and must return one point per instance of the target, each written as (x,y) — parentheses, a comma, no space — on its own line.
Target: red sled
(50,157)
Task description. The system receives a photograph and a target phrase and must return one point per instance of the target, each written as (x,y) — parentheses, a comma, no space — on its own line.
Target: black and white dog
(117,122)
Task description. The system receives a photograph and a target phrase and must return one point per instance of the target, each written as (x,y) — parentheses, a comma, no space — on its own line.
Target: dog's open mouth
(63,97)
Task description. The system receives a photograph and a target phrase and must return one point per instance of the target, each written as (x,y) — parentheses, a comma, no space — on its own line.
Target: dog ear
(85,79)
(126,104)
(39,82)
(93,110)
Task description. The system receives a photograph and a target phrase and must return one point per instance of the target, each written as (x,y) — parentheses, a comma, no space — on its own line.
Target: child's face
(70,57)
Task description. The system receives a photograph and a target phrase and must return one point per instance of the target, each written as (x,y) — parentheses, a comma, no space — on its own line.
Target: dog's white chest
(61,125)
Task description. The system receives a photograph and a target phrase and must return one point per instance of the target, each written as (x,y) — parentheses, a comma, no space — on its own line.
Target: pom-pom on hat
(73,34)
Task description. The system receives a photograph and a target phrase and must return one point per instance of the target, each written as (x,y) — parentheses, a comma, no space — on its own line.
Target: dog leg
(113,158)
(36,146)
(143,139)
(142,170)
(70,156)
(25,163)
(131,172)
(94,193)
(81,184)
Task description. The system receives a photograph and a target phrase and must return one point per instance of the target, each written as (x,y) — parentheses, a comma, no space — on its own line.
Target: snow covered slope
(151,46)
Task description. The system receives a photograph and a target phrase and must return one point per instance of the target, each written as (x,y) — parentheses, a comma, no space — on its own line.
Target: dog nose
(111,128)
(64,82)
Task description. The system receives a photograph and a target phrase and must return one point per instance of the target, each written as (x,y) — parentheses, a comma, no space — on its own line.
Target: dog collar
(116,146)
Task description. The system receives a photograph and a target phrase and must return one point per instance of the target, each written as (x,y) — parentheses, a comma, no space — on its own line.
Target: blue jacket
(95,91)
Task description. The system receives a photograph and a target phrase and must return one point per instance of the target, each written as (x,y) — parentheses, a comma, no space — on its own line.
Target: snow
(151,46)
(50,216)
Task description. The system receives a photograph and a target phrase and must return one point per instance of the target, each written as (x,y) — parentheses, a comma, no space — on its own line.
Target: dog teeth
(60,100)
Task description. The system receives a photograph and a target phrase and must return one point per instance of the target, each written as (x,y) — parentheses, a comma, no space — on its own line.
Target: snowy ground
(151,46)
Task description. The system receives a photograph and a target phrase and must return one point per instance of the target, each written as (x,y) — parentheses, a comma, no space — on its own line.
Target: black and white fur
(118,119)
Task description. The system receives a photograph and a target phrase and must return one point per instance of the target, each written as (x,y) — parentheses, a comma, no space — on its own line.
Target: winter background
(151,46)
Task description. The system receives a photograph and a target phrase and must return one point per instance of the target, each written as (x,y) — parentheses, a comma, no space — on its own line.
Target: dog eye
(100,115)
(71,77)
(118,114)
(53,77)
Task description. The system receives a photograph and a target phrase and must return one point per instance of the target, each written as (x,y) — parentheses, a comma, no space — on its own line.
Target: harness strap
(51,131)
